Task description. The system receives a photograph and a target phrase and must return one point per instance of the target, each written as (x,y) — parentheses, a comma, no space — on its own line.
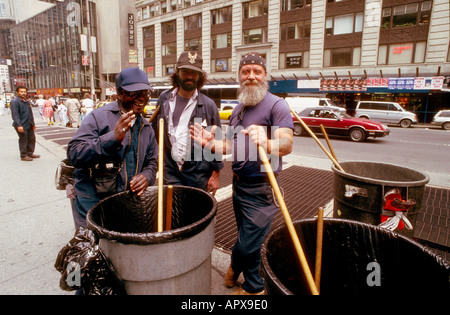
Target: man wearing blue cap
(115,148)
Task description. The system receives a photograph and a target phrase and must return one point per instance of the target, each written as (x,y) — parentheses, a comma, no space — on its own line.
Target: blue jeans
(254,209)
(82,206)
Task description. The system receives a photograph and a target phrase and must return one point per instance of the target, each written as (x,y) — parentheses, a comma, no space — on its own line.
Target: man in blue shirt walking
(23,122)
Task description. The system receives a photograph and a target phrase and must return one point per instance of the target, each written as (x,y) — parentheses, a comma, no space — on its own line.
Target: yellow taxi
(225,114)
(149,109)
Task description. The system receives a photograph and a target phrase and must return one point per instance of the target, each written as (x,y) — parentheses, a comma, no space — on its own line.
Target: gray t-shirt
(180,105)
(272,112)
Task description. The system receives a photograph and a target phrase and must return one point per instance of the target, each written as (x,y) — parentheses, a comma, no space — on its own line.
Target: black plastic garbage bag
(83,265)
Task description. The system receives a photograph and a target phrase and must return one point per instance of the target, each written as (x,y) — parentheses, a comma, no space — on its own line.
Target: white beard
(252,95)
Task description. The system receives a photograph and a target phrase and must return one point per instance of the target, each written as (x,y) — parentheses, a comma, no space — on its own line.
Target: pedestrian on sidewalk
(260,119)
(40,103)
(73,110)
(179,107)
(117,134)
(23,123)
(88,104)
(62,112)
(48,111)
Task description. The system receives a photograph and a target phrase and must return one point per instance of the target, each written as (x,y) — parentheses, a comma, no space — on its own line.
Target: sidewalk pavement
(36,220)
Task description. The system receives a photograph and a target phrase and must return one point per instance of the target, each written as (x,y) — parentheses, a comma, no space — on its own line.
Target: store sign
(293,62)
(131,29)
(132,56)
(85,60)
(343,85)
(422,83)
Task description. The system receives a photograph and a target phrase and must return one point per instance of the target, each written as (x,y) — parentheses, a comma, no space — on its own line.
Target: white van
(300,103)
(385,112)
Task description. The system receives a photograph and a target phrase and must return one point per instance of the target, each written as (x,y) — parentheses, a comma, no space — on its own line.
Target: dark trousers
(27,142)
(254,209)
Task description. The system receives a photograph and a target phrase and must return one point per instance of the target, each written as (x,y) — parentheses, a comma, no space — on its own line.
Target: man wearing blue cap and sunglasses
(115,140)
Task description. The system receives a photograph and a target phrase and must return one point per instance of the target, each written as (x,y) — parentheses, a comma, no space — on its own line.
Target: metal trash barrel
(359,192)
(357,258)
(148,262)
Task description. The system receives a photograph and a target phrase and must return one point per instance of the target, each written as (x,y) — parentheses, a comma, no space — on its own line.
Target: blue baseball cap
(132,79)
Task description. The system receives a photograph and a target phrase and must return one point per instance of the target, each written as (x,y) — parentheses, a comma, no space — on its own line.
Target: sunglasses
(136,94)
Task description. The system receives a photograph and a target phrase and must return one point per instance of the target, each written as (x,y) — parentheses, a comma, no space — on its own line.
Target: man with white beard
(263,119)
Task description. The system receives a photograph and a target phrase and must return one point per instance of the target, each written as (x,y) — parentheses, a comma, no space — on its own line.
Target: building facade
(51,53)
(347,50)
(50,50)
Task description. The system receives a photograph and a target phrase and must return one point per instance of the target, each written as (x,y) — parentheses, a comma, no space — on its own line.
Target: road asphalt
(36,219)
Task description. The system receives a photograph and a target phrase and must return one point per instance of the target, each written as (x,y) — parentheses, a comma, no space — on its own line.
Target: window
(221,65)
(169,49)
(221,40)
(287,5)
(192,22)
(425,12)
(340,57)
(168,69)
(193,44)
(405,15)
(150,71)
(297,30)
(168,27)
(419,55)
(294,60)
(255,8)
(344,24)
(222,15)
(173,5)
(149,52)
(255,36)
(404,53)
(145,13)
(386,18)
(148,32)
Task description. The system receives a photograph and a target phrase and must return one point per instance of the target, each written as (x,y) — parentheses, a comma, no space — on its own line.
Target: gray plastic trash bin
(148,262)
(359,193)
(357,258)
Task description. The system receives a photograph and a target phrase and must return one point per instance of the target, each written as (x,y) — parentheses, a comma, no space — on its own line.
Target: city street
(420,148)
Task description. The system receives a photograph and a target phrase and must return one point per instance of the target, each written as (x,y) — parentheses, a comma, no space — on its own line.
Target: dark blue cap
(132,79)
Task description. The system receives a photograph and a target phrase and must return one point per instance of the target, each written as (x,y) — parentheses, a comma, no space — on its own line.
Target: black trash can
(357,258)
(359,192)
(177,261)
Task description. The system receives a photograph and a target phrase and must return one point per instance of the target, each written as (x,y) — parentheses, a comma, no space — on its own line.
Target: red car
(338,123)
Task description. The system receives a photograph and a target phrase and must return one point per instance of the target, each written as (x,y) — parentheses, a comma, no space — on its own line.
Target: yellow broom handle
(289,224)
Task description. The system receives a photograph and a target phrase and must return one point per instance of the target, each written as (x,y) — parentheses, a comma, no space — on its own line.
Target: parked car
(385,112)
(442,118)
(337,123)
(300,103)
